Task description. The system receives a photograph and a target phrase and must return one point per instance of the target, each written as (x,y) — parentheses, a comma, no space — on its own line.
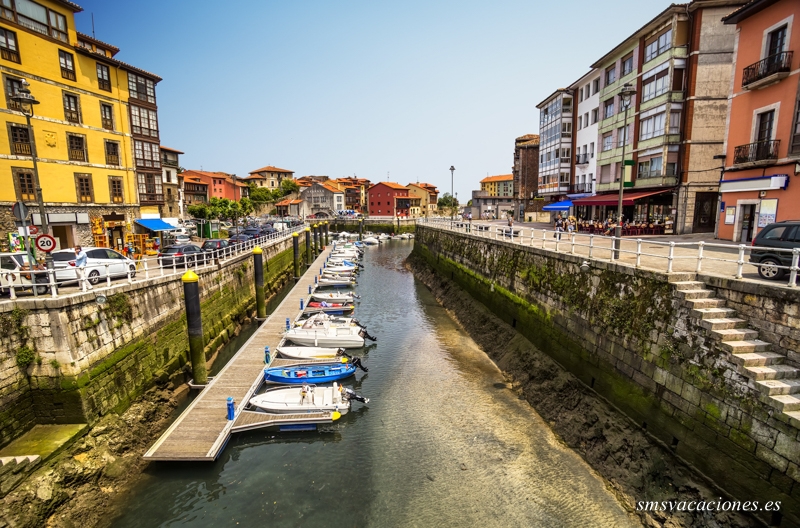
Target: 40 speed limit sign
(45,243)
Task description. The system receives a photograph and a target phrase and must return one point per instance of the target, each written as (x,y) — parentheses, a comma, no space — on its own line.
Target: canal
(443,442)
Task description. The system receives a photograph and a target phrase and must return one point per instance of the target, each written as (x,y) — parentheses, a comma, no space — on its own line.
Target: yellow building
(428,195)
(502,185)
(95,130)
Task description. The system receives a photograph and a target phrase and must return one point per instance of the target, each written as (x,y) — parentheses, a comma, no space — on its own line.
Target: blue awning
(154,224)
(563,205)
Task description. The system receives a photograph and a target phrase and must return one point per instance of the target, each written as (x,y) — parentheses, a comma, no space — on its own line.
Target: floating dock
(202,430)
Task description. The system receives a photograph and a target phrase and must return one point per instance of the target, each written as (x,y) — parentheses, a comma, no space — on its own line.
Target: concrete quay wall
(91,359)
(640,343)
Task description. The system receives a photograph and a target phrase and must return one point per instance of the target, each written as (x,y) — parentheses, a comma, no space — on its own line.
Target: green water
(442,442)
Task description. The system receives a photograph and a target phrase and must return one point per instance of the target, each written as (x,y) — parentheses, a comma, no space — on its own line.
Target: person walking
(559,225)
(80,265)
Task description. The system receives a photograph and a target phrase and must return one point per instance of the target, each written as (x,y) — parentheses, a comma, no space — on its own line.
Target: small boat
(301,352)
(340,269)
(336,283)
(371,241)
(335,297)
(306,398)
(328,307)
(321,333)
(383,236)
(404,236)
(298,374)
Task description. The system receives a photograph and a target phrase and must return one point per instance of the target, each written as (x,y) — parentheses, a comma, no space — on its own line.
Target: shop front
(651,209)
(748,204)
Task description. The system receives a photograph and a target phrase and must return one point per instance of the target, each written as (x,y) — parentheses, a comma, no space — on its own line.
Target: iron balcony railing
(758,151)
(582,159)
(657,173)
(151,198)
(582,188)
(167,162)
(780,62)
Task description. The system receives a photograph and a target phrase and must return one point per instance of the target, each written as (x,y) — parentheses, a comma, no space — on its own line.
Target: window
(674,122)
(77,147)
(652,126)
(71,112)
(35,17)
(605,174)
(607,142)
(764,126)
(103,77)
(566,131)
(580,95)
(595,113)
(627,65)
(657,45)
(112,153)
(776,41)
(150,187)
(587,90)
(141,88)
(67,65)
(623,135)
(611,75)
(144,121)
(20,140)
(650,168)
(608,108)
(591,149)
(13,85)
(580,122)
(655,85)
(107,116)
(596,86)
(146,154)
(83,184)
(677,79)
(168,176)
(23,178)
(8,46)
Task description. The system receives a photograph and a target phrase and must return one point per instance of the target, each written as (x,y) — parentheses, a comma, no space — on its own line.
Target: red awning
(613,198)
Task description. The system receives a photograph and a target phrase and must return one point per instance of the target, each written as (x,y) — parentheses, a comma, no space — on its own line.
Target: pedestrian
(80,265)
(559,225)
(571,224)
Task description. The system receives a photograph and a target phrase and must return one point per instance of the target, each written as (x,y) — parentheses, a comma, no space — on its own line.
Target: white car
(98,261)
(13,268)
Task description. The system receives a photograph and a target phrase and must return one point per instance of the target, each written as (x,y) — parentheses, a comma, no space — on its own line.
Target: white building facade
(586,92)
(555,145)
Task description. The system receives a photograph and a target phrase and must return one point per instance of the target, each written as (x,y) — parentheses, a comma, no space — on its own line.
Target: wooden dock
(202,430)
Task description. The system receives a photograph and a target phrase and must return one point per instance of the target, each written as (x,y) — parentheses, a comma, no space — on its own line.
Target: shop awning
(628,198)
(563,205)
(154,224)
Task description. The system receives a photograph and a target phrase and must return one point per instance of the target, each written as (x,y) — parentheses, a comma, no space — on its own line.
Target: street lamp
(26,101)
(452,170)
(625,95)
(721,158)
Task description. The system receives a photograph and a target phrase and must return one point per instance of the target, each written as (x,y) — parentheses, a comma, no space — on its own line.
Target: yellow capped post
(258,270)
(295,234)
(190,276)
(308,247)
(296,255)
(257,250)
(194,326)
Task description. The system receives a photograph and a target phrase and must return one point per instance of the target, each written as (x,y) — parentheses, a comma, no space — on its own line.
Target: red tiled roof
(282,203)
(331,188)
(270,168)
(75,7)
(162,147)
(499,178)
(392,185)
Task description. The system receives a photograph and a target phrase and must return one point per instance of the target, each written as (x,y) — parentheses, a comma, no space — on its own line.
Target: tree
(289,186)
(259,195)
(448,204)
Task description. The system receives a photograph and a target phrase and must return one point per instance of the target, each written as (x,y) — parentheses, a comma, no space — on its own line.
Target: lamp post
(452,170)
(26,101)
(721,158)
(625,95)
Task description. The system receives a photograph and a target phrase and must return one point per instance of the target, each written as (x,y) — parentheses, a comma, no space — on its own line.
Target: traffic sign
(45,243)
(20,211)
(33,230)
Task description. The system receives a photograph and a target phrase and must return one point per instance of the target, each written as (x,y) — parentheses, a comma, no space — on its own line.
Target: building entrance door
(748,223)
(705,206)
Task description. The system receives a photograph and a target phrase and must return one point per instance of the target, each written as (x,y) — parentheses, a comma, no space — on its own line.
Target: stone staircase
(14,469)
(778,383)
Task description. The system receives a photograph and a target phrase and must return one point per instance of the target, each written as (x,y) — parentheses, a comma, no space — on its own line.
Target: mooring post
(258,261)
(327,233)
(194,323)
(360,229)
(266,355)
(316,240)
(231,409)
(296,248)
(308,247)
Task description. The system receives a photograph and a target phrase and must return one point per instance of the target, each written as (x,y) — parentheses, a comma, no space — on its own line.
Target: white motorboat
(340,269)
(302,399)
(334,320)
(371,241)
(326,281)
(302,352)
(334,297)
(321,334)
(404,236)
(383,236)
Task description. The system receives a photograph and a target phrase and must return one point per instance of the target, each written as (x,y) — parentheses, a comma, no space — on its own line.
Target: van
(15,270)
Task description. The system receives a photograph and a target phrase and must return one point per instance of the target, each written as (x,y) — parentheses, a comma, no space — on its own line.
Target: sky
(389,91)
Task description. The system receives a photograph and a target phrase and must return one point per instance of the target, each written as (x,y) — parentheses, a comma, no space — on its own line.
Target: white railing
(730,260)
(140,271)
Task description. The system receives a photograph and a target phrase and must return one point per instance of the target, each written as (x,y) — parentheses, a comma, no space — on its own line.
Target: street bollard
(288,324)
(266,355)
(231,409)
(308,247)
(194,322)
(296,253)
(301,305)
(360,229)
(315,280)
(326,233)
(258,267)
(309,289)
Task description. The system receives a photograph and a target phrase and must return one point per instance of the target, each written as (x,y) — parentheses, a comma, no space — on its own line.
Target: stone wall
(90,359)
(638,340)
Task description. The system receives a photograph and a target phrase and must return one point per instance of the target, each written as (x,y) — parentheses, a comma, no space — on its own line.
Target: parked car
(13,267)
(253,232)
(782,235)
(96,260)
(182,239)
(214,244)
(180,255)
(238,239)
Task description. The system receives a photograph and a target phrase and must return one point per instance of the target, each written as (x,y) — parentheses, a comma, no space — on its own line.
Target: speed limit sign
(45,243)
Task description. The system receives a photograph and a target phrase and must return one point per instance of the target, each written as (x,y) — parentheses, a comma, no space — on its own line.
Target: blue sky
(355,87)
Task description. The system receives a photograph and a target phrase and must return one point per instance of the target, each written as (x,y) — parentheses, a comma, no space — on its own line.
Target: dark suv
(183,255)
(783,236)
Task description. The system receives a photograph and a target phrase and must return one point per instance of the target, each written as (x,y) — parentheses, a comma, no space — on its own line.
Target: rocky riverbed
(635,466)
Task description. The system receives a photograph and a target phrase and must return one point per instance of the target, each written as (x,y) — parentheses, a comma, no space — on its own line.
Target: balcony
(582,159)
(151,198)
(22,149)
(758,153)
(167,162)
(104,84)
(657,178)
(77,155)
(72,115)
(767,71)
(112,159)
(582,188)
(68,74)
(9,55)
(108,123)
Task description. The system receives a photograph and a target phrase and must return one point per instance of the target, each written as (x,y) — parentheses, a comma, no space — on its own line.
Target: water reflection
(442,442)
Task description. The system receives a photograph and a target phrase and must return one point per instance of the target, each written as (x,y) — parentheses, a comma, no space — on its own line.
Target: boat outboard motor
(355,361)
(363,333)
(350,394)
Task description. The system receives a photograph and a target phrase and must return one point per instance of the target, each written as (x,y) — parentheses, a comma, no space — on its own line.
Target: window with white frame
(655,85)
(652,126)
(657,45)
(608,143)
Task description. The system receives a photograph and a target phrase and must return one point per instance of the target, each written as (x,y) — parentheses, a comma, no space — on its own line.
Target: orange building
(762,155)
(220,184)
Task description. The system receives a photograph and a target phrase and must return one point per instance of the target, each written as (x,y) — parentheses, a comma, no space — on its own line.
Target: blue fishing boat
(309,373)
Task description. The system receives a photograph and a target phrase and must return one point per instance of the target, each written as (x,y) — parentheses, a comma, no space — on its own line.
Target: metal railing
(780,62)
(46,283)
(691,256)
(582,159)
(658,173)
(758,151)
